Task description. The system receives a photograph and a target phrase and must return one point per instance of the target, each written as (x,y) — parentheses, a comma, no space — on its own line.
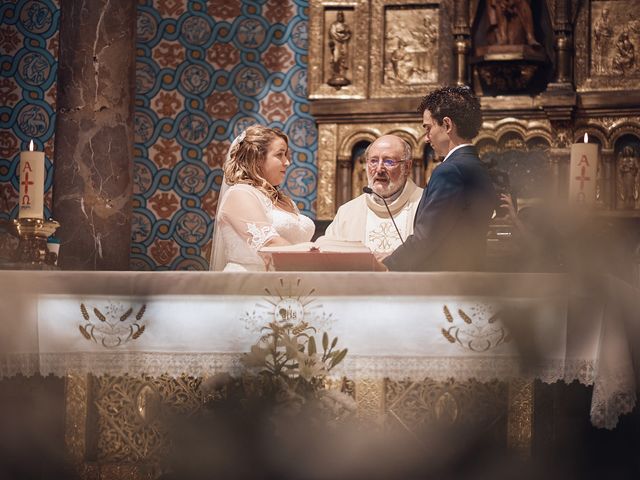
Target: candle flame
(586,137)
(31,145)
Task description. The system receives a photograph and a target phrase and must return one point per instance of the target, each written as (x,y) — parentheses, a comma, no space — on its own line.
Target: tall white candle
(31,183)
(582,172)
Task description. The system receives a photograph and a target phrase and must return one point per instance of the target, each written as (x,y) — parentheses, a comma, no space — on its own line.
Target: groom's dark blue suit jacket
(450,227)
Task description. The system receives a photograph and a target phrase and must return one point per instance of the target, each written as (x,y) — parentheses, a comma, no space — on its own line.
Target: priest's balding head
(381,225)
(389,163)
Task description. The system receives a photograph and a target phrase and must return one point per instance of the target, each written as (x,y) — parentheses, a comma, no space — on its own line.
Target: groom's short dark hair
(457,103)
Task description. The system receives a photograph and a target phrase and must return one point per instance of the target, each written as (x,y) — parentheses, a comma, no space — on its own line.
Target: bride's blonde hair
(246,161)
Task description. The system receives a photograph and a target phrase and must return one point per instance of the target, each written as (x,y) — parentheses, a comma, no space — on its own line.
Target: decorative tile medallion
(205,71)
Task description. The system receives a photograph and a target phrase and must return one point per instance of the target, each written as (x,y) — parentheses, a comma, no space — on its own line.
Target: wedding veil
(218,254)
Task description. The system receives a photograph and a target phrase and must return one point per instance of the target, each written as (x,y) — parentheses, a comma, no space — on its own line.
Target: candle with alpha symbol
(31,183)
(582,172)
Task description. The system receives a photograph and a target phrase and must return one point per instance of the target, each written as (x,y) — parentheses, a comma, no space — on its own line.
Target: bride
(252,212)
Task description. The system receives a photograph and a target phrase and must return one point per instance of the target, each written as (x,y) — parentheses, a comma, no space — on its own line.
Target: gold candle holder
(33,234)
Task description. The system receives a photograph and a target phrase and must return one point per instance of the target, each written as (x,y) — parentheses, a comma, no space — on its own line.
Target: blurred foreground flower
(286,373)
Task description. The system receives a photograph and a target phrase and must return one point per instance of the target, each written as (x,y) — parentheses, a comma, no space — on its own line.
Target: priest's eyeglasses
(387,162)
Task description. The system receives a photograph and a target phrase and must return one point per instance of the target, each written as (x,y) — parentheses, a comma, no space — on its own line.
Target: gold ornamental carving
(349,135)
(562,139)
(609,124)
(494,131)
(327,153)
(369,395)
(76,398)
(608,129)
(520,416)
(124,472)
(338,50)
(415,405)
(130,413)
(581,51)
(405,43)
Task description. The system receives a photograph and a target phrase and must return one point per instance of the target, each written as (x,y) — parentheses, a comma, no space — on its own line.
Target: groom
(452,219)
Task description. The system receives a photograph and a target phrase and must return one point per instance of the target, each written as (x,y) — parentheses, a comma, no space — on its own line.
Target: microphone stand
(369,190)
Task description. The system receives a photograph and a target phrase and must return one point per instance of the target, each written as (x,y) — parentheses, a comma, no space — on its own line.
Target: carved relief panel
(607,45)
(339,47)
(406,48)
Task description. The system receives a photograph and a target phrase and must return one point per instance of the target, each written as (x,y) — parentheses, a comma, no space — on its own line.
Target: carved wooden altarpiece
(401,49)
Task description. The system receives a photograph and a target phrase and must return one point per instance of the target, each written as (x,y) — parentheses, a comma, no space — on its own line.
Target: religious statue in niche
(602,35)
(508,58)
(510,23)
(339,36)
(628,166)
(410,47)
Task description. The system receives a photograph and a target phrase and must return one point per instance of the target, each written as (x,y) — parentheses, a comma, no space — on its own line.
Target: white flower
(310,366)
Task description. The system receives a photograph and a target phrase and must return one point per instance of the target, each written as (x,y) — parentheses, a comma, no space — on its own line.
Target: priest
(365,218)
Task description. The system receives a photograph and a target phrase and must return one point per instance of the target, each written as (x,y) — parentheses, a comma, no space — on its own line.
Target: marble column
(92,183)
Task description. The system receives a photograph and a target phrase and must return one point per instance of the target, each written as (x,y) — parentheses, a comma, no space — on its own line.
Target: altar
(400,329)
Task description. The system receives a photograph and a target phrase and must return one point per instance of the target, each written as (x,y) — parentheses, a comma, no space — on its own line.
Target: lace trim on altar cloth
(121,363)
(460,368)
(613,394)
(260,236)
(27,364)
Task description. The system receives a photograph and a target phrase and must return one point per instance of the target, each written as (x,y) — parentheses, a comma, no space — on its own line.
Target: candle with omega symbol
(31,183)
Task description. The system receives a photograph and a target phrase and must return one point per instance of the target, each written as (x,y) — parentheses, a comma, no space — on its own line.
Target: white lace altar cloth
(395,325)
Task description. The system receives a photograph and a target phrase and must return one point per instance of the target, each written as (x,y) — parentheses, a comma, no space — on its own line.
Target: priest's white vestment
(365,220)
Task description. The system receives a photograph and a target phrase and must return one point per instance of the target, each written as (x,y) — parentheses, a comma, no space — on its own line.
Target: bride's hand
(380,256)
(268,261)
(380,267)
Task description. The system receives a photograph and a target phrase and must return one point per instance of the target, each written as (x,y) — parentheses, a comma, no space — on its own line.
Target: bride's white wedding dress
(245,222)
